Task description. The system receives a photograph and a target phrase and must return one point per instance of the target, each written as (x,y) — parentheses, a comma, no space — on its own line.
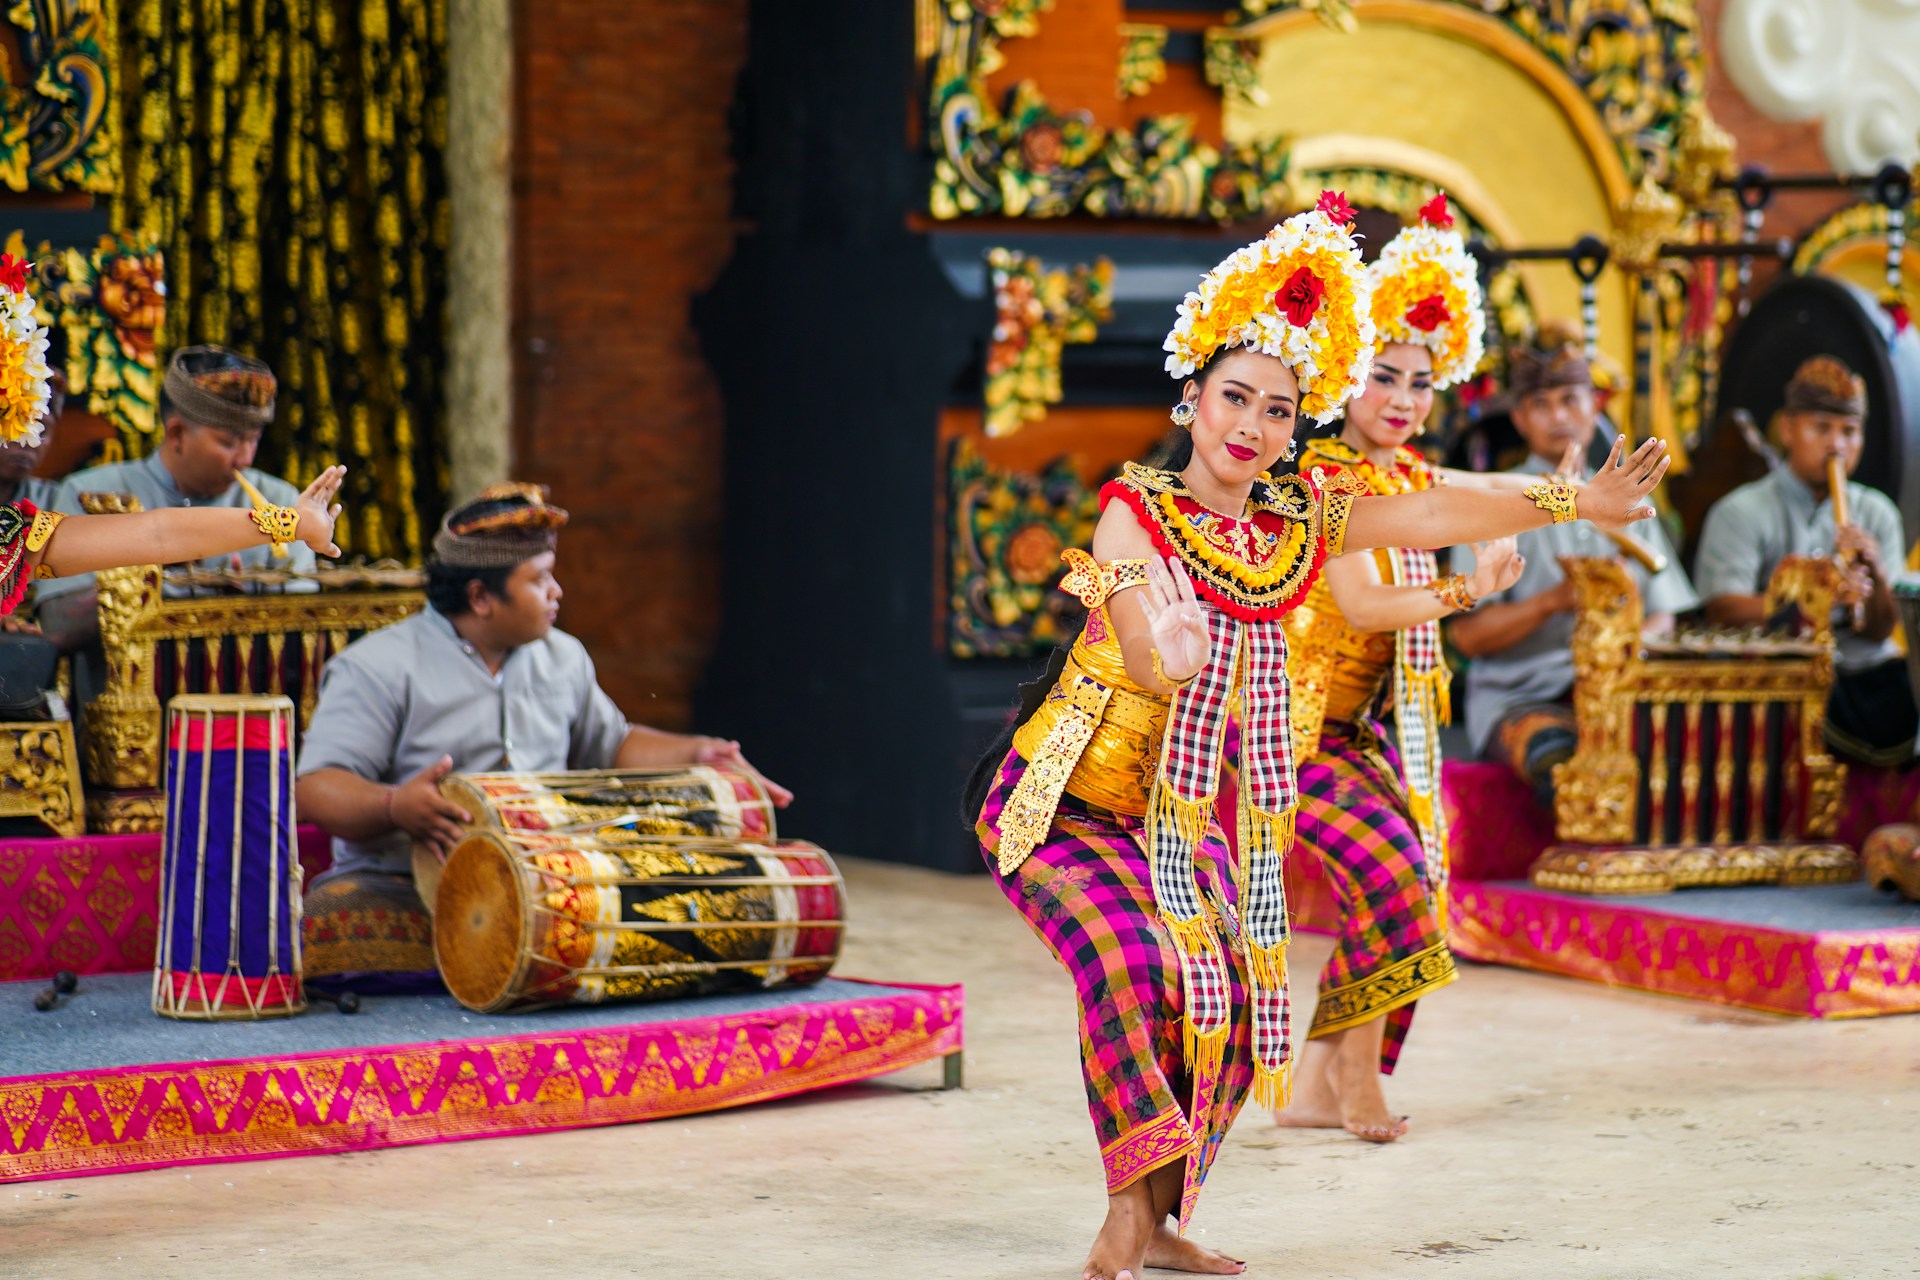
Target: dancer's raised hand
(1496,566)
(1174,615)
(318,510)
(1612,499)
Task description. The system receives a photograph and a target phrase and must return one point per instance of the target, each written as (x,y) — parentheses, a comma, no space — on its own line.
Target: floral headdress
(1299,294)
(1426,292)
(26,381)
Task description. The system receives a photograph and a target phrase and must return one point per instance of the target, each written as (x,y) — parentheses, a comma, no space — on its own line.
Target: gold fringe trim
(1434,689)
(1273,1088)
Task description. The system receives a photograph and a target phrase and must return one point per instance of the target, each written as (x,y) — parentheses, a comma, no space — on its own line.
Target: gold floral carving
(40,774)
(1571,869)
(137,622)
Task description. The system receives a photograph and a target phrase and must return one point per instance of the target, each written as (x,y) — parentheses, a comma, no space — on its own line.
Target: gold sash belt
(1099,742)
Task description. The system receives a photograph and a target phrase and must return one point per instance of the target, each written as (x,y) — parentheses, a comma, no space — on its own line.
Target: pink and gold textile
(1827,974)
(91,904)
(358,1099)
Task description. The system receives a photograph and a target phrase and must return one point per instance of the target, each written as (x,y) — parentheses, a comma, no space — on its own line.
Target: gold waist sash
(1099,742)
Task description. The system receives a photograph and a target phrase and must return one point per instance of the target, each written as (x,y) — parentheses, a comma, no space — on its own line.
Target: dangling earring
(1291,449)
(1183,415)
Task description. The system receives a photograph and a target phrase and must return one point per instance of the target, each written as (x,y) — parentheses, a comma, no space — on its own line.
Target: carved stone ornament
(1846,63)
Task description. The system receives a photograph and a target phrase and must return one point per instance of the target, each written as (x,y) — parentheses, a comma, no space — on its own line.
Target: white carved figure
(1853,65)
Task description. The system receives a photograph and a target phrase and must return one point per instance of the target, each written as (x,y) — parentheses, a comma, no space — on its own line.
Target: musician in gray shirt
(1521,640)
(480,681)
(1870,712)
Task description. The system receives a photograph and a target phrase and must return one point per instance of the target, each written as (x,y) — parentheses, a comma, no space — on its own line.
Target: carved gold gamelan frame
(123,723)
(1597,793)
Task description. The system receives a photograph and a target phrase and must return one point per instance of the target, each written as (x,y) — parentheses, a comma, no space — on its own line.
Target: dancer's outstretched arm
(177,535)
(1447,516)
(1371,604)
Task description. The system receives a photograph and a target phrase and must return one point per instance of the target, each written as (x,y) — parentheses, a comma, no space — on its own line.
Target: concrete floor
(1561,1130)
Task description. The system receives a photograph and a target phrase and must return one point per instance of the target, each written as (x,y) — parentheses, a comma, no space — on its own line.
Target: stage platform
(103,1085)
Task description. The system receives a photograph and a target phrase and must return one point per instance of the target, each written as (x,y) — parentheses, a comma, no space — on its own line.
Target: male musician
(1870,713)
(480,681)
(214,405)
(1519,688)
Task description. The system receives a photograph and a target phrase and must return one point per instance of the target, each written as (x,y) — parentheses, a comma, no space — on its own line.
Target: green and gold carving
(1005,535)
(56,128)
(1025,158)
(1143,62)
(111,301)
(1037,312)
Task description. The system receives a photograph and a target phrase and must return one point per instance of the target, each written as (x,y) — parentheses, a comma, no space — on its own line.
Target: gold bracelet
(281,525)
(1555,499)
(1161,675)
(1453,592)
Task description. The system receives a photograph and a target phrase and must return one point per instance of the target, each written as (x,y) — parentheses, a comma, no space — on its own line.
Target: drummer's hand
(725,754)
(318,511)
(417,808)
(1856,585)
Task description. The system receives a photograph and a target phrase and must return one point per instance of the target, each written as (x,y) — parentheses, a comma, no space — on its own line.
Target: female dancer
(1373,815)
(1098,819)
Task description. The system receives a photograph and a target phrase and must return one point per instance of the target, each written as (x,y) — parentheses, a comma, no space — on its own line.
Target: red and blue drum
(524,919)
(229,942)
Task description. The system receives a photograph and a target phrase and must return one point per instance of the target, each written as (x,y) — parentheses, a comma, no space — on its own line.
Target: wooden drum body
(229,944)
(526,919)
(696,801)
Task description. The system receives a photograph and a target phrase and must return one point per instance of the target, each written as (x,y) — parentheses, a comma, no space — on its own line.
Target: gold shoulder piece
(43,526)
(1094,583)
(1344,481)
(1339,507)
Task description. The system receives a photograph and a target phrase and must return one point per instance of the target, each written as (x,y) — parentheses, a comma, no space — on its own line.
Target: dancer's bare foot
(1356,1083)
(1172,1252)
(1120,1250)
(1313,1105)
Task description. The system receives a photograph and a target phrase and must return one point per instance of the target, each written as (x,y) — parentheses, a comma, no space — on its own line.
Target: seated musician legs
(1871,716)
(1531,740)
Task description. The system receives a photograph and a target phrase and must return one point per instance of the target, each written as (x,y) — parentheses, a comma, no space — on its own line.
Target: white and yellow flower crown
(1299,294)
(26,381)
(1426,292)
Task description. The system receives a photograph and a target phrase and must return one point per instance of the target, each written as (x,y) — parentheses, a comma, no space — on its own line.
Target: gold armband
(1453,592)
(1164,678)
(1554,499)
(281,525)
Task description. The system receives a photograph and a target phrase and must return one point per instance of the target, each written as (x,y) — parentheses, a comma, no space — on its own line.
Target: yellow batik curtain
(287,156)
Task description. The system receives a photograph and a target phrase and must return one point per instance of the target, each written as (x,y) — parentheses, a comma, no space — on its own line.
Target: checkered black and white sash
(1420,706)
(1247,658)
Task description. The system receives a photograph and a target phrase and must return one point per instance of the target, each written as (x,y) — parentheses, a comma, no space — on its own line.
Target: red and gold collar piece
(1256,566)
(1410,472)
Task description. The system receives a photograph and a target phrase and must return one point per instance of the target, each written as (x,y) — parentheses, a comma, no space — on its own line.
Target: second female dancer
(1096,814)
(1368,633)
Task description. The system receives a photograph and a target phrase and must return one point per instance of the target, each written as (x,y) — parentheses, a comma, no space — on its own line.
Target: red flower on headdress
(1429,313)
(1334,205)
(13,272)
(1898,310)
(1435,213)
(1300,297)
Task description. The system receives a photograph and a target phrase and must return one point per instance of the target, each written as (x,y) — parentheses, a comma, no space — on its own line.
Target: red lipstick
(1241,452)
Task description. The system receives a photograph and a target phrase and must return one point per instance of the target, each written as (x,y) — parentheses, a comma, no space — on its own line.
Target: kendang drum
(697,801)
(525,919)
(229,943)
